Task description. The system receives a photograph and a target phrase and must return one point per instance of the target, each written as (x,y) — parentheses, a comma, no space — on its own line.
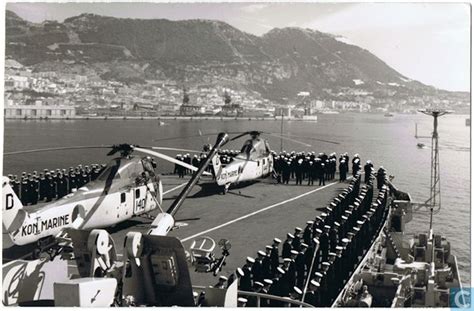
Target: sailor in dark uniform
(324,289)
(257,267)
(266,262)
(222,282)
(312,296)
(25,190)
(308,232)
(324,243)
(289,279)
(297,239)
(34,186)
(333,237)
(267,284)
(287,246)
(300,265)
(380,177)
(235,277)
(246,280)
(275,256)
(277,288)
(368,167)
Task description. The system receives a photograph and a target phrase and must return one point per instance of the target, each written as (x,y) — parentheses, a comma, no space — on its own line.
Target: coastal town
(34,94)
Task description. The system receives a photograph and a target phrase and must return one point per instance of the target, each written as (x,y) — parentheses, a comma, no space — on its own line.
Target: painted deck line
(256,212)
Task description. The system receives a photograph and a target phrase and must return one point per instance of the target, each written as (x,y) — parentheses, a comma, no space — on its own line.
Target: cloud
(254,8)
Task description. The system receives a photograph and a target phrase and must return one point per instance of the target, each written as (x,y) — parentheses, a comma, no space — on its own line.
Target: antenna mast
(435,186)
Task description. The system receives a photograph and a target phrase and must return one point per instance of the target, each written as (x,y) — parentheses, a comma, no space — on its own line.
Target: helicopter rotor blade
(57,149)
(173,149)
(290,139)
(169,159)
(311,138)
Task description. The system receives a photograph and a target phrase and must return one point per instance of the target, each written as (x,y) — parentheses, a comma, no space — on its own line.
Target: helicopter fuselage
(118,194)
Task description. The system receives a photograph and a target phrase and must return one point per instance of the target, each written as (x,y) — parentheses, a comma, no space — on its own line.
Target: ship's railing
(276,298)
(261,296)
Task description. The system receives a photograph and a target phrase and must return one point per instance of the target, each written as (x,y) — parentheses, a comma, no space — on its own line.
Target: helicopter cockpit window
(247,147)
(131,170)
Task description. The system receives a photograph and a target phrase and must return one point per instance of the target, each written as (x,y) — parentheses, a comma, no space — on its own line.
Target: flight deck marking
(256,212)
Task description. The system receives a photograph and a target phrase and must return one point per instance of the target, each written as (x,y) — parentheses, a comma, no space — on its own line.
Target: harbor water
(387,141)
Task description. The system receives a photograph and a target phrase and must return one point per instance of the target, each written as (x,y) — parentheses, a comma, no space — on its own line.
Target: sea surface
(387,141)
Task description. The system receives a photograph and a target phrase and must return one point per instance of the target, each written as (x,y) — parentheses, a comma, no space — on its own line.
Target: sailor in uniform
(274,256)
(287,246)
(221,282)
(246,279)
(308,232)
(266,262)
(312,296)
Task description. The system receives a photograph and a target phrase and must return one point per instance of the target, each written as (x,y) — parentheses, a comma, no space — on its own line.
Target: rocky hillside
(279,64)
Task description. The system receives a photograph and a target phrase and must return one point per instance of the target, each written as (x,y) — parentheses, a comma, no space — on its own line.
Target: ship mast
(434,201)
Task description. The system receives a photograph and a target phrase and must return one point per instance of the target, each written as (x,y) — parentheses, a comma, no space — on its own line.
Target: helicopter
(255,160)
(128,187)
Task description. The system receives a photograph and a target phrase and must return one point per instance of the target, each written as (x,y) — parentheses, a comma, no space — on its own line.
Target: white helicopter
(128,187)
(254,161)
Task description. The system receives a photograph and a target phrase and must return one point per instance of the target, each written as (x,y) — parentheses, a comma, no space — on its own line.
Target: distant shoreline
(165,118)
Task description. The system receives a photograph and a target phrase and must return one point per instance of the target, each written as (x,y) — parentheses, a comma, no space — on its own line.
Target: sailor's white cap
(310,222)
(250,260)
(287,259)
(258,284)
(339,248)
(325,263)
(276,240)
(360,222)
(315,241)
(314,283)
(304,245)
(318,274)
(240,271)
(262,253)
(345,240)
(298,229)
(293,252)
(337,224)
(280,270)
(297,290)
(223,278)
(324,215)
(269,247)
(242,300)
(289,235)
(327,227)
(195,294)
(318,230)
(268,282)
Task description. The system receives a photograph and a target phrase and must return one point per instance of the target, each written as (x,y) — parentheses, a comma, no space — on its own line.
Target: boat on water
(388,115)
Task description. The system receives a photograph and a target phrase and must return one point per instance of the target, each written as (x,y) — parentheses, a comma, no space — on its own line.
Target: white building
(39,111)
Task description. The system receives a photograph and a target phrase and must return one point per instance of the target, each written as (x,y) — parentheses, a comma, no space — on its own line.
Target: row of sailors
(330,266)
(34,187)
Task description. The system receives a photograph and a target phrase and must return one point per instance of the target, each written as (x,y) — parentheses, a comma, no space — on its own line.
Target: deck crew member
(380,177)
(34,185)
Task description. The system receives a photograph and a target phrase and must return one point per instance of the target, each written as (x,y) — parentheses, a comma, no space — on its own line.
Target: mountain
(278,64)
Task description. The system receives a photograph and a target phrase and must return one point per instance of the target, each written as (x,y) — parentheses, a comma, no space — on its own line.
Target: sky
(428,42)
